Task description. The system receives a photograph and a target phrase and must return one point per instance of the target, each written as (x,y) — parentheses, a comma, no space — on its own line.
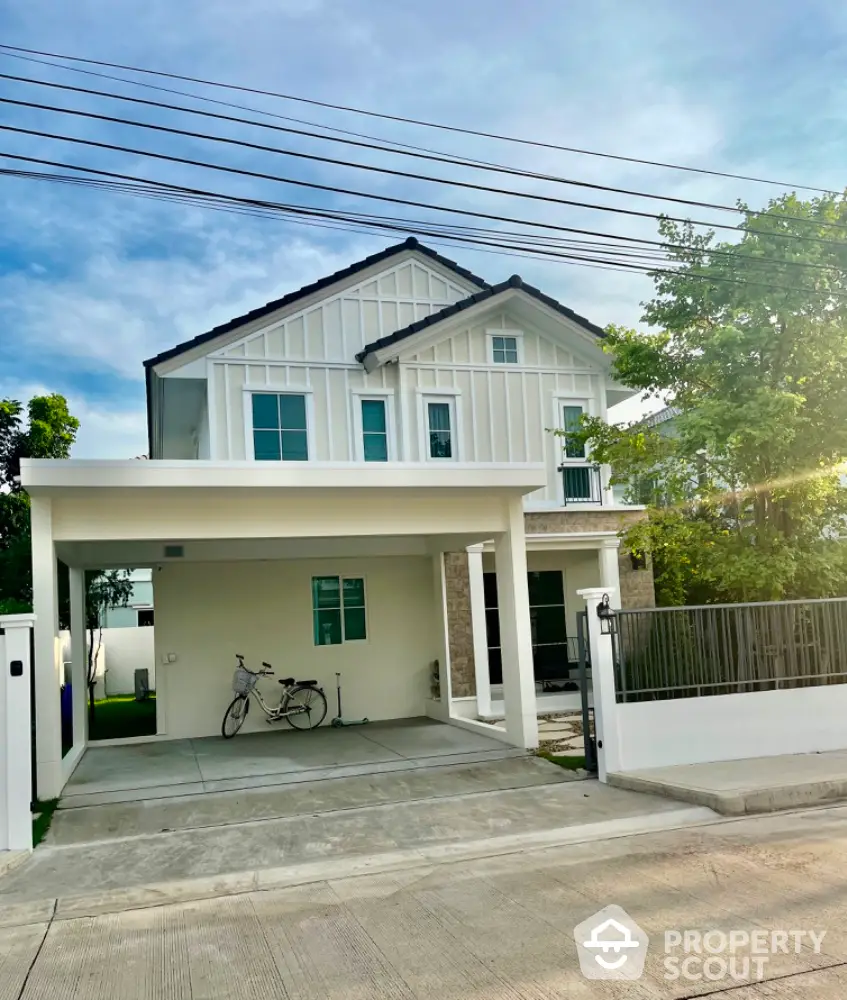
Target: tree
(107,589)
(49,433)
(751,348)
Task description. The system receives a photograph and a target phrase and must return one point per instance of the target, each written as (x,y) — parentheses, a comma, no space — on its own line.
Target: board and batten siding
(503,412)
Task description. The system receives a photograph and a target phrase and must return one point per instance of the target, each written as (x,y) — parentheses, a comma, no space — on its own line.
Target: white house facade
(360,478)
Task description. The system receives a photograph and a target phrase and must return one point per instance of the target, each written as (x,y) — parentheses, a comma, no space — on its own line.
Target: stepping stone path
(561,734)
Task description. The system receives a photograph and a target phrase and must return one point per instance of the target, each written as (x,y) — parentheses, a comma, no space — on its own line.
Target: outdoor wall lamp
(608,619)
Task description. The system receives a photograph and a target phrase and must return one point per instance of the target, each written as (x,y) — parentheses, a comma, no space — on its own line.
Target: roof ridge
(410,243)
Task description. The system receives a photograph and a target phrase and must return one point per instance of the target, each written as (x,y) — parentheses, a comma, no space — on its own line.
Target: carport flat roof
(46,476)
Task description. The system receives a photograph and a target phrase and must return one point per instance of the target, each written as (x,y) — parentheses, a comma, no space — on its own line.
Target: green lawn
(122,717)
(569,763)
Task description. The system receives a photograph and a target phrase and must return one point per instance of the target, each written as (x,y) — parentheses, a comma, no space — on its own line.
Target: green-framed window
(374,430)
(338,610)
(504,350)
(280,427)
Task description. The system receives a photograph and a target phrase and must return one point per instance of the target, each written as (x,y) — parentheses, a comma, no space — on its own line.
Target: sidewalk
(499,927)
(743,787)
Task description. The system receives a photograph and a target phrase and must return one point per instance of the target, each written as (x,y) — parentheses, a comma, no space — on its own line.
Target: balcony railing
(582,483)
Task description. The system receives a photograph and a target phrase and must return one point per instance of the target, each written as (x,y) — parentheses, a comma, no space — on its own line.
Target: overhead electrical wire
(465,185)
(10,49)
(537,252)
(380,147)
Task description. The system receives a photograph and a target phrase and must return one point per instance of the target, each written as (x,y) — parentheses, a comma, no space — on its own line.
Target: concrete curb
(236,883)
(740,802)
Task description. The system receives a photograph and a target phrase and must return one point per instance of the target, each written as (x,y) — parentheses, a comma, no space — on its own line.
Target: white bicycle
(302,703)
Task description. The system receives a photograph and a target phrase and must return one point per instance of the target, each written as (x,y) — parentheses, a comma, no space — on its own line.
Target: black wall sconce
(607,616)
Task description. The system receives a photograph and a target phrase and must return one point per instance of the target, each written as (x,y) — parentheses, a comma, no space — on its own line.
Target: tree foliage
(750,345)
(48,431)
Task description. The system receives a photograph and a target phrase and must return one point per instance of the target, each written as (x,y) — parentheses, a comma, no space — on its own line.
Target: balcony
(582,483)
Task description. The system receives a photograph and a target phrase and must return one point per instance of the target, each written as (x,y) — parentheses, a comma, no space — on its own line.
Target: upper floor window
(505,347)
(374,430)
(571,418)
(504,350)
(441,422)
(280,428)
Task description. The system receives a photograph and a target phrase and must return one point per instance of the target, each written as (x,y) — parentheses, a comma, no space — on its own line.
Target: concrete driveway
(499,928)
(165,768)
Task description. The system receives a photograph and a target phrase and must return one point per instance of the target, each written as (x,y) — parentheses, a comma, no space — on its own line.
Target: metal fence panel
(730,648)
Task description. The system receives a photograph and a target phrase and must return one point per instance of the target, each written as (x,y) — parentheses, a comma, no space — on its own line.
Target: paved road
(498,929)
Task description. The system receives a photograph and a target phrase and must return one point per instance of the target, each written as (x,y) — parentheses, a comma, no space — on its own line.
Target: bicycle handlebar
(259,673)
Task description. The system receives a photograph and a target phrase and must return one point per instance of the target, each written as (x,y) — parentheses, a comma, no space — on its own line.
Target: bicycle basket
(243,681)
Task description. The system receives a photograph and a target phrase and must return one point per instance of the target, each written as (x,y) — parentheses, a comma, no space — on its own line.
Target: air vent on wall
(174,551)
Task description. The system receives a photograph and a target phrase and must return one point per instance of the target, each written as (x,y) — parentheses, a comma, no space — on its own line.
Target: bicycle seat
(286,681)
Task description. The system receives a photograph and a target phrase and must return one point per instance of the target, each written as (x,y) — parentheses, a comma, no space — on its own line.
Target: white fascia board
(49,475)
(446,327)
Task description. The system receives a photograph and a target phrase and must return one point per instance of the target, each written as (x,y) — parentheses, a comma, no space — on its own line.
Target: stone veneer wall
(636,584)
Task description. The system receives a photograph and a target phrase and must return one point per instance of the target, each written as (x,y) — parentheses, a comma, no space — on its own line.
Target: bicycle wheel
(308,706)
(234,716)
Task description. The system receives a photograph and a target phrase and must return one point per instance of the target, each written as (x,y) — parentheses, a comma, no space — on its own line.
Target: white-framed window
(338,610)
(278,424)
(440,428)
(505,347)
(579,478)
(373,427)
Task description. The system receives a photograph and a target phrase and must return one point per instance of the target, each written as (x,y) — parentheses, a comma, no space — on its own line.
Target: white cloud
(98,283)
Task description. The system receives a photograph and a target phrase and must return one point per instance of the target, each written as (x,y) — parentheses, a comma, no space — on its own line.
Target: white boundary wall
(122,651)
(730,727)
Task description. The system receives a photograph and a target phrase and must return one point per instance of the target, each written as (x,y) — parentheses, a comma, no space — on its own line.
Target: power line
(406,202)
(414,121)
(421,155)
(409,175)
(547,254)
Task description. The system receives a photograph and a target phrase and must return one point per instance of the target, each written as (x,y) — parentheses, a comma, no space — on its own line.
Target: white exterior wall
(729,727)
(503,412)
(125,651)
(208,613)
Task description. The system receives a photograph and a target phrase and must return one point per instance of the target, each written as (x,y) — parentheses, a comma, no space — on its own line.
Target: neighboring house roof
(409,244)
(490,291)
(660,417)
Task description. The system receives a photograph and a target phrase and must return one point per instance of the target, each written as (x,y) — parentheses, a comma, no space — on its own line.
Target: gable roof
(409,244)
(489,292)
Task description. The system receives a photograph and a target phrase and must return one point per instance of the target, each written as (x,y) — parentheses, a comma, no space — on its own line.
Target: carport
(236,549)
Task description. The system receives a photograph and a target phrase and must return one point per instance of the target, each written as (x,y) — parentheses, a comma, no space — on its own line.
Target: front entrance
(554,653)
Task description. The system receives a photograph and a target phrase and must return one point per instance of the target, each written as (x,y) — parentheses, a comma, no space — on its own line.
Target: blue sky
(92,283)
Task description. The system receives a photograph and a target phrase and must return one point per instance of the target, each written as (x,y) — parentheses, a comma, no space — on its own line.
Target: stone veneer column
(459,624)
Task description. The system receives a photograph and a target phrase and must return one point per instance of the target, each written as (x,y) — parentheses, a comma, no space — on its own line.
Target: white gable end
(334,328)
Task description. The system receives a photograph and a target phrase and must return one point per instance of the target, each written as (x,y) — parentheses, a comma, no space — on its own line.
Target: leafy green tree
(48,432)
(751,348)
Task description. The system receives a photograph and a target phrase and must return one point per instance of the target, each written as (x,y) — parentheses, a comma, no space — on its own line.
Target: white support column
(15,733)
(515,630)
(602,683)
(609,570)
(439,585)
(45,599)
(480,637)
(79,656)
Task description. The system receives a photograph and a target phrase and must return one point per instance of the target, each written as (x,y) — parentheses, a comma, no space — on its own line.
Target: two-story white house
(359,477)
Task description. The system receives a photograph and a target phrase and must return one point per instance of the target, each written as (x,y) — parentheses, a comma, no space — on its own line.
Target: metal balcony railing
(582,483)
